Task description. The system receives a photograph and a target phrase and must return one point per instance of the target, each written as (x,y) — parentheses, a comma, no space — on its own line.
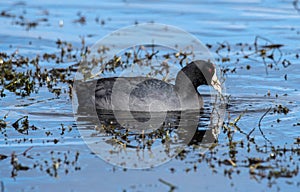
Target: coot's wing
(135,94)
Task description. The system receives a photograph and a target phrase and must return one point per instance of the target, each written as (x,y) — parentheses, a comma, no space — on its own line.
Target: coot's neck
(184,85)
(189,79)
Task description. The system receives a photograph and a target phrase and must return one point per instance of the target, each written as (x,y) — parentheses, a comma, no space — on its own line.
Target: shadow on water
(171,123)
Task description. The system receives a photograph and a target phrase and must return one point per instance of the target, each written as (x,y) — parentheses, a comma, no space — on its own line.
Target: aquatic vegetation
(60,162)
(3,123)
(262,50)
(24,81)
(81,20)
(270,162)
(23,76)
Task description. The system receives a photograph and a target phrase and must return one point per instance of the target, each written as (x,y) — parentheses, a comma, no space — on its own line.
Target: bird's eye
(211,70)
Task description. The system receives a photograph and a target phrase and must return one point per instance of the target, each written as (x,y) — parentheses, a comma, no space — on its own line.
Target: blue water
(214,23)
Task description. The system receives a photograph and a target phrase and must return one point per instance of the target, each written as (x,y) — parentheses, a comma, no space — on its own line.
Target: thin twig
(24,153)
(172,187)
(259,124)
(250,133)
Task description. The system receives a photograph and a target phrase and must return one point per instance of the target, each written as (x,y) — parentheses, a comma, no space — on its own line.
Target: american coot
(144,94)
(140,113)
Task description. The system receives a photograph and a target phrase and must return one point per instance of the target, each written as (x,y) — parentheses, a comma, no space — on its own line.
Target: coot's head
(199,72)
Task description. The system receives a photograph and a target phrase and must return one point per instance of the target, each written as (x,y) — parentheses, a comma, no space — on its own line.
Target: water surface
(238,30)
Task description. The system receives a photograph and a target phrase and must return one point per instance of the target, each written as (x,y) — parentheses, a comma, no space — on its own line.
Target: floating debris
(172,187)
(81,20)
(22,125)
(61,23)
